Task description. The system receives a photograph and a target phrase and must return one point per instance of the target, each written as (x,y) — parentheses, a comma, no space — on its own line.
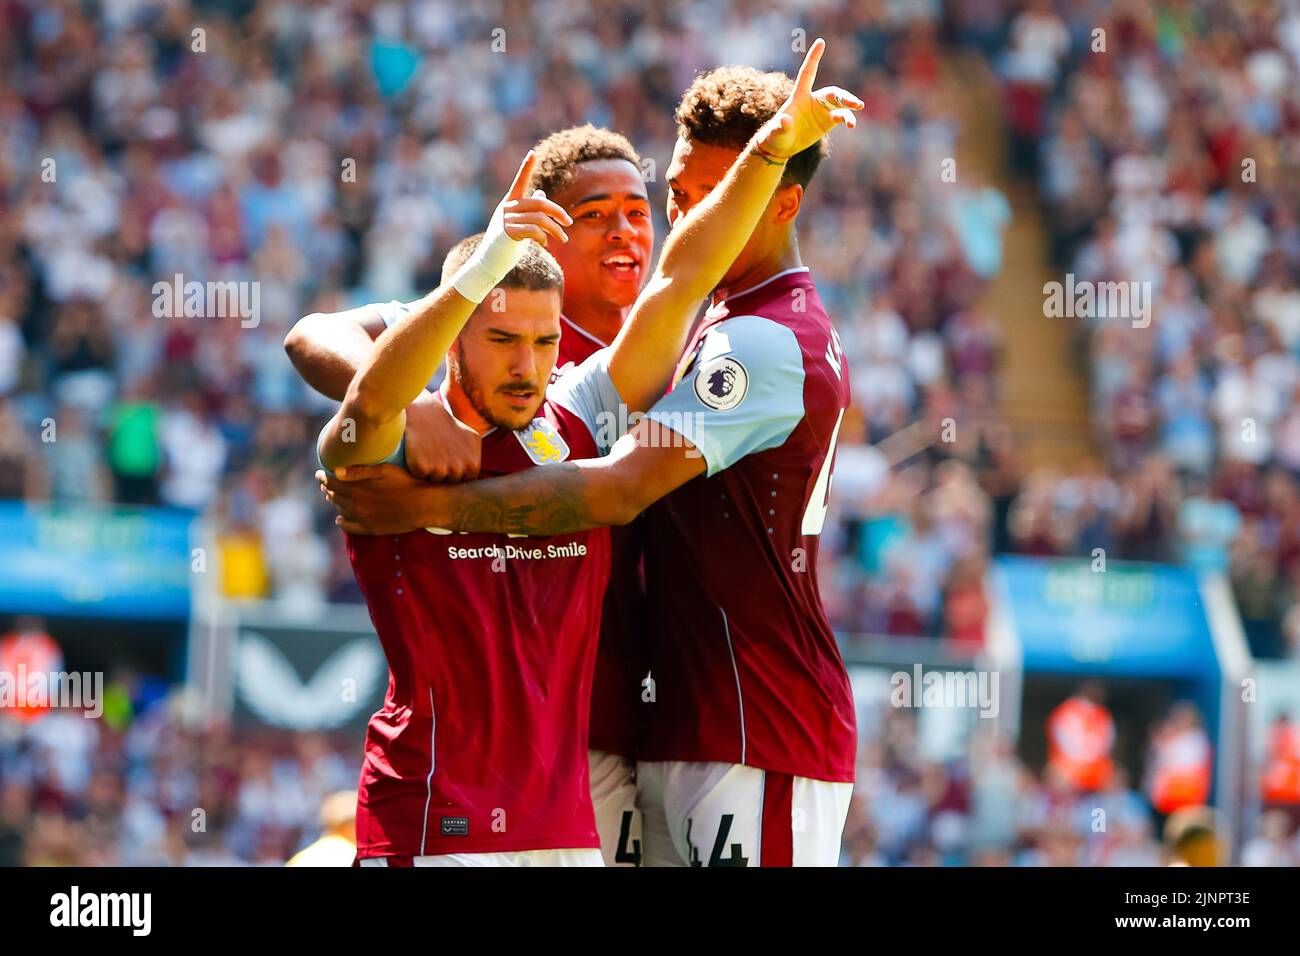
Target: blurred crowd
(989,809)
(332,152)
(1165,139)
(159,790)
(150,786)
(985,806)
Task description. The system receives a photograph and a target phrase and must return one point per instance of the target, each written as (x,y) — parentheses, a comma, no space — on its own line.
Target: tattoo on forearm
(528,503)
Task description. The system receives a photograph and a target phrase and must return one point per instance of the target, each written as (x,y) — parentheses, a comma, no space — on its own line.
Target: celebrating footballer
(590,551)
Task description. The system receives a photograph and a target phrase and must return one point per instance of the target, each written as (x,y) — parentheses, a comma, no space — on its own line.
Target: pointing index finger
(517,187)
(808,71)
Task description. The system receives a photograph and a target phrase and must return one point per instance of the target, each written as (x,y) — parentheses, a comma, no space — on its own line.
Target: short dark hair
(728,105)
(559,155)
(536,270)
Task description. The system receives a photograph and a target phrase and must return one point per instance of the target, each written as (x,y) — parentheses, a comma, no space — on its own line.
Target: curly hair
(727,106)
(559,155)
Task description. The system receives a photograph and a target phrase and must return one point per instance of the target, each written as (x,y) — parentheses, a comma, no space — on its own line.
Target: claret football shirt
(746,669)
(481,745)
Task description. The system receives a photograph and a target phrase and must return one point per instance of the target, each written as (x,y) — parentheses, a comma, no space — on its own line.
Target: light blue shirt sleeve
(396,457)
(589,392)
(743,392)
(393,312)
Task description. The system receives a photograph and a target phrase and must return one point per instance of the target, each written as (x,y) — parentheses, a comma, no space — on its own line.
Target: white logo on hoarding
(272,689)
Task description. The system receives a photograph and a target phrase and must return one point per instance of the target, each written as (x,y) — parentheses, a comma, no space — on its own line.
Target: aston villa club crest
(543,442)
(721,383)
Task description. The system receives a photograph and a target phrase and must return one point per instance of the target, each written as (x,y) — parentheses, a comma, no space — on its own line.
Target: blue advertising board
(1133,620)
(95,562)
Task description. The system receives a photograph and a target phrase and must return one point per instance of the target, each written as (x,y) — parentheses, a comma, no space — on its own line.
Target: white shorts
(583,857)
(613,796)
(722,814)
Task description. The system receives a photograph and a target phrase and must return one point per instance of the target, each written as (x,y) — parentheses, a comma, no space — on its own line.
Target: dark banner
(303,677)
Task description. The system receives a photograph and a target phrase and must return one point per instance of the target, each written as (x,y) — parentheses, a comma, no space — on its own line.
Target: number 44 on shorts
(719,843)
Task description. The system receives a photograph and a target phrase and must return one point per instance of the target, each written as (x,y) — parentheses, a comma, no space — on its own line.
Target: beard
(477,395)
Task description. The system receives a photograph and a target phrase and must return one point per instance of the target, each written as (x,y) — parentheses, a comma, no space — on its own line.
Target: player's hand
(438,446)
(809,114)
(376,499)
(532,217)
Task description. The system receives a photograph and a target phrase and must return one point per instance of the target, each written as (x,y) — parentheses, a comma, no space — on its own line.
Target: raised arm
(369,424)
(680,438)
(700,249)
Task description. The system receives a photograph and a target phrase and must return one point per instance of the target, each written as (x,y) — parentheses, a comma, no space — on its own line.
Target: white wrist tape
(494,257)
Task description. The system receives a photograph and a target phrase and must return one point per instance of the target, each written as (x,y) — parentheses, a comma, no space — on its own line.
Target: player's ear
(786,202)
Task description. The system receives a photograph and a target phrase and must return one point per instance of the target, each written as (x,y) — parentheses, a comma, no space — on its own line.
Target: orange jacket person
(1281,779)
(1181,762)
(1080,735)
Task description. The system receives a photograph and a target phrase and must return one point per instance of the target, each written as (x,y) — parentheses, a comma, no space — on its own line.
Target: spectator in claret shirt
(974,341)
(1132,417)
(965,607)
(1147,512)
